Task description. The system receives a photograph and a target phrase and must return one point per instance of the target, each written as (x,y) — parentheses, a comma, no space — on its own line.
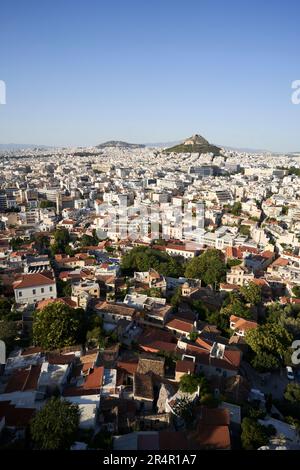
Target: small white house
(32,288)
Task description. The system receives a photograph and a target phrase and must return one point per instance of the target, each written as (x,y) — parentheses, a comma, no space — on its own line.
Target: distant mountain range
(120,144)
(21,146)
(194,144)
(245,149)
(162,144)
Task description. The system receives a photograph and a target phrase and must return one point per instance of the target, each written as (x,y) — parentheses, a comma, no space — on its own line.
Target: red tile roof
(212,430)
(63,300)
(23,380)
(33,280)
(186,367)
(211,437)
(242,324)
(180,325)
(115,309)
(15,417)
(129,366)
(94,379)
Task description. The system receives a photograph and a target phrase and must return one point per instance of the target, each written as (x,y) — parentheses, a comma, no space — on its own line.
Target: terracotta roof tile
(32,280)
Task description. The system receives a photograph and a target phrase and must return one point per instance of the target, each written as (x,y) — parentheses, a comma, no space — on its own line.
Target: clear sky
(79,72)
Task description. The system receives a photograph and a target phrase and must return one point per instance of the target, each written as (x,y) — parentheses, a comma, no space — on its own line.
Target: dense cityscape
(150,298)
(149,233)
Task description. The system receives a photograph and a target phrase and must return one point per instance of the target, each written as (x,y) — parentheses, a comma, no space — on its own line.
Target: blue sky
(82,72)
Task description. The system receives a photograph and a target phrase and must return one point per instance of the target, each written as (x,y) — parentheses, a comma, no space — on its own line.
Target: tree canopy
(236,208)
(8,333)
(16,243)
(5,309)
(143,258)
(209,267)
(189,383)
(55,426)
(88,240)
(292,392)
(288,317)
(296,291)
(234,304)
(41,242)
(58,325)
(254,434)
(61,241)
(251,293)
(45,204)
(269,342)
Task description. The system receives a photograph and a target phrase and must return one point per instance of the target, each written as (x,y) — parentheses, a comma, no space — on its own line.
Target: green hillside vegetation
(196,148)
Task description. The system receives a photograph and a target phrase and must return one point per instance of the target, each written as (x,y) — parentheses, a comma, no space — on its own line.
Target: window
(42,290)
(20,294)
(50,288)
(33,291)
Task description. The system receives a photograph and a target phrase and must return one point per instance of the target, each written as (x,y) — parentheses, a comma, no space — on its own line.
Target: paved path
(274,382)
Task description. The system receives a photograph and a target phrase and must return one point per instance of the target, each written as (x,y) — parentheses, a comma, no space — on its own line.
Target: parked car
(290,373)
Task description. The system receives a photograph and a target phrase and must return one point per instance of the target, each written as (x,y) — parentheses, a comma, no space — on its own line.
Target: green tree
(55,426)
(61,241)
(58,325)
(189,383)
(44,204)
(285,210)
(176,297)
(41,243)
(270,338)
(254,435)
(236,208)
(143,258)
(95,333)
(287,317)
(184,408)
(265,361)
(292,392)
(296,291)
(8,333)
(5,308)
(200,309)
(209,267)
(16,243)
(251,293)
(64,288)
(152,292)
(244,230)
(234,304)
(88,240)
(233,262)
(193,335)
